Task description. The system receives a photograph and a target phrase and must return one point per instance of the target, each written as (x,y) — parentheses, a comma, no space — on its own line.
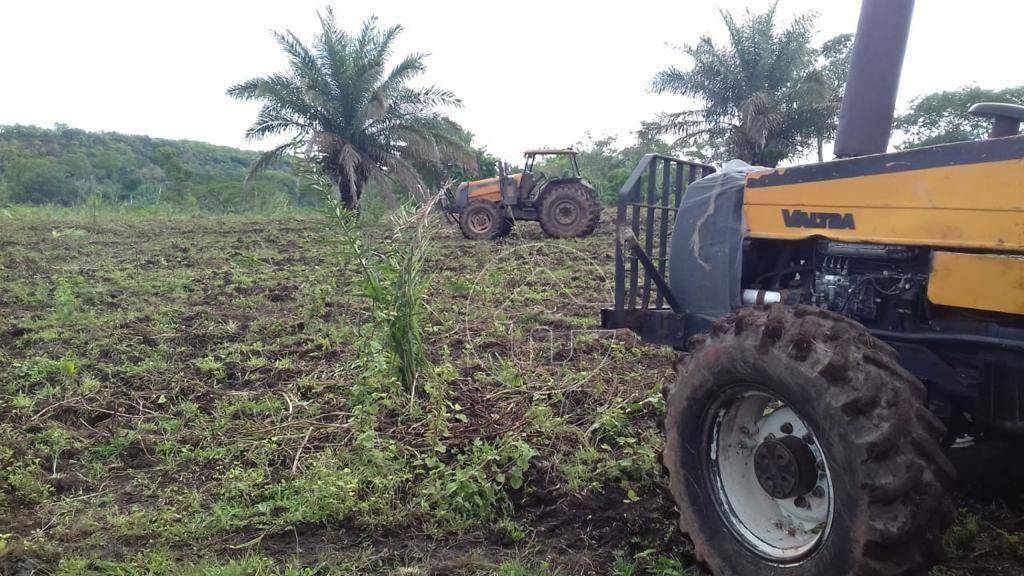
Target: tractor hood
(487,188)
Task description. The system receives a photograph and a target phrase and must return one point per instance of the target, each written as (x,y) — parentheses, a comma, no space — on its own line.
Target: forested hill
(67,166)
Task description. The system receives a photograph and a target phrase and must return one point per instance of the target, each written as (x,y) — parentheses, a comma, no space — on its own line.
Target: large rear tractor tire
(568,210)
(796,445)
(482,220)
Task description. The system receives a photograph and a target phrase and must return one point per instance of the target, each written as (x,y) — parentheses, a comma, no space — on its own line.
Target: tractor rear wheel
(568,210)
(482,220)
(796,445)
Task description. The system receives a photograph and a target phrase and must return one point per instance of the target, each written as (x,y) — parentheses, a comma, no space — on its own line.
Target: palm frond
(303,60)
(266,160)
(248,90)
(410,67)
(406,175)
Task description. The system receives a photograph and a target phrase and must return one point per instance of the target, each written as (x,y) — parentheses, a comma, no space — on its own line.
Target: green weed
(391,275)
(960,539)
(65,303)
(213,368)
(475,486)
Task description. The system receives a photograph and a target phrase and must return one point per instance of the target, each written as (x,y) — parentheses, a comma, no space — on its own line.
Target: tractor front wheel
(482,220)
(568,210)
(796,445)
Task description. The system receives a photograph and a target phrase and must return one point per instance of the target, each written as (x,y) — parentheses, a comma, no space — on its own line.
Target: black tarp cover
(705,262)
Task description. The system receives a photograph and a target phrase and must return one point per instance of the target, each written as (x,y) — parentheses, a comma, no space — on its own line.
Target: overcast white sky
(530,73)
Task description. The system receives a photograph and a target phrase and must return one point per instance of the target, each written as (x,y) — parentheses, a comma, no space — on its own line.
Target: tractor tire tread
(500,230)
(906,476)
(590,207)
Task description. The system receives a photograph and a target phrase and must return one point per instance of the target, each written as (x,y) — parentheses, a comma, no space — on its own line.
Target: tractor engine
(875,284)
(881,286)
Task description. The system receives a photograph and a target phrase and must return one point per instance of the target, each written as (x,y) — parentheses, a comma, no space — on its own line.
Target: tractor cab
(532,155)
(521,188)
(536,176)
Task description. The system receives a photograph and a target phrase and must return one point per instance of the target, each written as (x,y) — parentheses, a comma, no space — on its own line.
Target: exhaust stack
(865,120)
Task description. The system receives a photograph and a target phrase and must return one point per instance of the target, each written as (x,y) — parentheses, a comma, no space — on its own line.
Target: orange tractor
(566,206)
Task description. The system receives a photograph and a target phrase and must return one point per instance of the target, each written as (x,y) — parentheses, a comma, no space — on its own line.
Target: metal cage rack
(648,203)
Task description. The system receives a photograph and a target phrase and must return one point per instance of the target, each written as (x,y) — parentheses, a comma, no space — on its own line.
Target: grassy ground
(210,396)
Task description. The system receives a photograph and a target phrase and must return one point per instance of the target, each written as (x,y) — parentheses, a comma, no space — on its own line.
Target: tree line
(67,166)
(767,94)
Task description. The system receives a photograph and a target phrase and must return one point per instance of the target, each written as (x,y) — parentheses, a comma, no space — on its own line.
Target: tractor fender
(705,254)
(569,179)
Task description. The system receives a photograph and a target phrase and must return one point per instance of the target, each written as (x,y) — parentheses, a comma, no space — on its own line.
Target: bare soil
(188,393)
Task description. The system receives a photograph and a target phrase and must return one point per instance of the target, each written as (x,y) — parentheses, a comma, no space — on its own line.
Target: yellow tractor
(566,206)
(849,330)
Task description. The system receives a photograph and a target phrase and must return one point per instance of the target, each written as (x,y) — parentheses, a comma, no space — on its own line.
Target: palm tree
(361,121)
(764,97)
(822,91)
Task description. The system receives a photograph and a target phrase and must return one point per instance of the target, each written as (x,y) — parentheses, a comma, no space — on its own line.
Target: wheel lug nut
(801,502)
(787,428)
(818,492)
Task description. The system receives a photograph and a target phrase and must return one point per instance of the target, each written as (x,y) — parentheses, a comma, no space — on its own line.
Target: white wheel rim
(779,530)
(480,222)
